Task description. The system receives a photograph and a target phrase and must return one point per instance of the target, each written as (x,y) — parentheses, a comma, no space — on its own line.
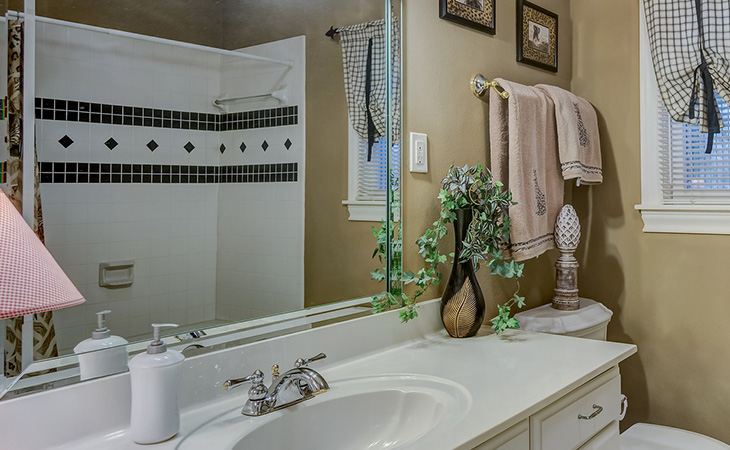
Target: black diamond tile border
(288,144)
(189,147)
(66,141)
(92,173)
(111,143)
(265,145)
(152,145)
(242,147)
(222,149)
(87,112)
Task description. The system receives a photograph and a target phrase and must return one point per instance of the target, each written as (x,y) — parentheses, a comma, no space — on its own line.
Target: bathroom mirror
(198,165)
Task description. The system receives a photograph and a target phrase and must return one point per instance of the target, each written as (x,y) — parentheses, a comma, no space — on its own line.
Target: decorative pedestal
(567,238)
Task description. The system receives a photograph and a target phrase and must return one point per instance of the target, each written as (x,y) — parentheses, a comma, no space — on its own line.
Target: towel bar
(480,86)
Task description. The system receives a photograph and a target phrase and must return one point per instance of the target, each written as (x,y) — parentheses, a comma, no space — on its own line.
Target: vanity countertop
(505,379)
(508,377)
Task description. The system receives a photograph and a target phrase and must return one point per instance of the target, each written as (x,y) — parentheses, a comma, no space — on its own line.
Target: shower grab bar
(157,40)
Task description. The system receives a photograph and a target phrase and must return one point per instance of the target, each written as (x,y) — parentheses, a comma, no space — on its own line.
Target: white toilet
(591,322)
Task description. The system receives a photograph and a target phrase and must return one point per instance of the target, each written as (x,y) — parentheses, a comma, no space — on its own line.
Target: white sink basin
(384,412)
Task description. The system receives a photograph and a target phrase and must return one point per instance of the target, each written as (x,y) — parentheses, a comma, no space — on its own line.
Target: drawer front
(573,420)
(608,439)
(514,438)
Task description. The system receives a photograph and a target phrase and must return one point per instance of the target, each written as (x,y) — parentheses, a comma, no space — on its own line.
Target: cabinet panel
(576,418)
(608,439)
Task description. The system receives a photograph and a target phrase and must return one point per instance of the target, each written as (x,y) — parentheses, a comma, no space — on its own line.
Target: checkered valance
(690,49)
(363,55)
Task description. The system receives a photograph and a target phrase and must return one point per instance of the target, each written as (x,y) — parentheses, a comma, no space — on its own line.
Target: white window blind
(689,175)
(372,176)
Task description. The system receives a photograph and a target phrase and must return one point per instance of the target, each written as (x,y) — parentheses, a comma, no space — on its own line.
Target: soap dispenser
(155,378)
(102,354)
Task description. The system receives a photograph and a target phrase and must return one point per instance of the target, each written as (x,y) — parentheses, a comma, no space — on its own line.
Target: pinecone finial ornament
(567,238)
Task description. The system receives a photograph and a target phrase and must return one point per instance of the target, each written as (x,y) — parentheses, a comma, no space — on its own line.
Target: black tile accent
(288,144)
(222,149)
(152,145)
(77,111)
(242,147)
(82,172)
(189,147)
(66,141)
(111,143)
(265,145)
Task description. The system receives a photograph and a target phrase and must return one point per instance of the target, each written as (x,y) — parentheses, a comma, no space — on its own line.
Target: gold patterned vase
(462,305)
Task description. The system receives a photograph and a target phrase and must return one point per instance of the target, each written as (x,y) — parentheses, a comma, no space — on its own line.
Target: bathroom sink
(384,412)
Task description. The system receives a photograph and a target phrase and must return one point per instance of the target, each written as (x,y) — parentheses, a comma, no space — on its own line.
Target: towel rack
(480,86)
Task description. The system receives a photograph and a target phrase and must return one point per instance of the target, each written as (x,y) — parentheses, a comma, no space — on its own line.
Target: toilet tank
(590,321)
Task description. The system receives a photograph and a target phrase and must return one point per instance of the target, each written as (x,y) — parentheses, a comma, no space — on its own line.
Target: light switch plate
(419,153)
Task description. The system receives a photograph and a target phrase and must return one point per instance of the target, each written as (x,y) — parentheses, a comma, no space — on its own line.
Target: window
(683,190)
(368,180)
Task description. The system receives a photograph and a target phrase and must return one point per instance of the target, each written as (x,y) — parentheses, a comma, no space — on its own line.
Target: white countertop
(508,377)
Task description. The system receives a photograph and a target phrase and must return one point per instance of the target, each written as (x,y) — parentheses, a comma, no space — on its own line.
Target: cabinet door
(514,438)
(608,439)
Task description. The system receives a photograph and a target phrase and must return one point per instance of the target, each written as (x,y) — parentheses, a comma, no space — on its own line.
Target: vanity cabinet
(585,419)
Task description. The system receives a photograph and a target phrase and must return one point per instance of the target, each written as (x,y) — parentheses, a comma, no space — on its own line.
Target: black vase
(462,304)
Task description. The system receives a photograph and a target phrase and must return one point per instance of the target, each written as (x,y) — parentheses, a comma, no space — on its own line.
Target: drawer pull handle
(597,411)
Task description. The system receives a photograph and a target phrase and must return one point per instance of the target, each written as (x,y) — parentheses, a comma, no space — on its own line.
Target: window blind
(688,174)
(372,176)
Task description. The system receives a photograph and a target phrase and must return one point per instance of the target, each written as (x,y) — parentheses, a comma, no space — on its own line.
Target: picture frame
(477,14)
(537,36)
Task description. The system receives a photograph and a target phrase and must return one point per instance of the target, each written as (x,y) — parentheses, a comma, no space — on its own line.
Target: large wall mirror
(219,165)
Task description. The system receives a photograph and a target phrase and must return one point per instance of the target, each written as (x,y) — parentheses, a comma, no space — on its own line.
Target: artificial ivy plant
(486,239)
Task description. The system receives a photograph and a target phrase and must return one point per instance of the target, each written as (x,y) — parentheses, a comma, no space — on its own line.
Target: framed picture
(537,36)
(477,14)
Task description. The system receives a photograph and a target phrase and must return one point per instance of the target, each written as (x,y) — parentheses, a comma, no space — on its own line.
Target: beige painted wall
(668,291)
(440,59)
(182,20)
(337,251)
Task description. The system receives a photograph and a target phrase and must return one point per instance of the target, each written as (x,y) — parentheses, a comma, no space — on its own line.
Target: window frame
(360,210)
(657,216)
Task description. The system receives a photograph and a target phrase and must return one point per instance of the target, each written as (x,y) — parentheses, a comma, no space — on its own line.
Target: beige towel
(524,154)
(579,144)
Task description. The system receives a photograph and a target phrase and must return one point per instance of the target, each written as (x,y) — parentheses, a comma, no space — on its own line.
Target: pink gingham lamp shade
(31,281)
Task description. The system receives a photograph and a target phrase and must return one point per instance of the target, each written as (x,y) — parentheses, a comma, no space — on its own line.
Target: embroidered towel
(524,156)
(579,144)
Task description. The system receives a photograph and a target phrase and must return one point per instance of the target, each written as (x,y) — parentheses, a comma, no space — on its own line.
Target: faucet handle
(303,362)
(257,392)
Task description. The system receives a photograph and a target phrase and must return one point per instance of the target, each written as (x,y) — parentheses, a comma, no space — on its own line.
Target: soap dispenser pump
(102,354)
(155,377)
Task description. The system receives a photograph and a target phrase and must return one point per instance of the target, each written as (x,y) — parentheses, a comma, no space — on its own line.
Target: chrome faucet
(294,386)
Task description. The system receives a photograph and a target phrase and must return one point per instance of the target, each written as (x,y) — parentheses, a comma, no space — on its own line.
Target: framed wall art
(477,14)
(537,36)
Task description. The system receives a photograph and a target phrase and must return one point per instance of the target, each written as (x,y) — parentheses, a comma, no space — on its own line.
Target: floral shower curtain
(44,332)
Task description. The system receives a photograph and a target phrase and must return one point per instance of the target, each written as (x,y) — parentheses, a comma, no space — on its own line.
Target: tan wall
(440,59)
(668,291)
(182,20)
(337,252)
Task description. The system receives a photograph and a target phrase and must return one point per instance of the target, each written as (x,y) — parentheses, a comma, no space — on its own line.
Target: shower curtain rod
(143,37)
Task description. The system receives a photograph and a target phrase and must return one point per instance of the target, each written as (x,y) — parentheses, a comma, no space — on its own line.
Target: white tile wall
(201,252)
(261,226)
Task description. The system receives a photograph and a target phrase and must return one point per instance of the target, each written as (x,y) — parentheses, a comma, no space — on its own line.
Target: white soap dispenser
(102,354)
(155,379)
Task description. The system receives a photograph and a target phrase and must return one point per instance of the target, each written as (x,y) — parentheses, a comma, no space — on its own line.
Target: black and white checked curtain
(690,49)
(363,56)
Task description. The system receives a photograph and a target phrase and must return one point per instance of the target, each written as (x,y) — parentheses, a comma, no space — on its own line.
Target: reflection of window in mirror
(367,181)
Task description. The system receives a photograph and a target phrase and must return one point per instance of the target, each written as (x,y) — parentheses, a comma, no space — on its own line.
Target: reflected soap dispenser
(102,354)
(155,378)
